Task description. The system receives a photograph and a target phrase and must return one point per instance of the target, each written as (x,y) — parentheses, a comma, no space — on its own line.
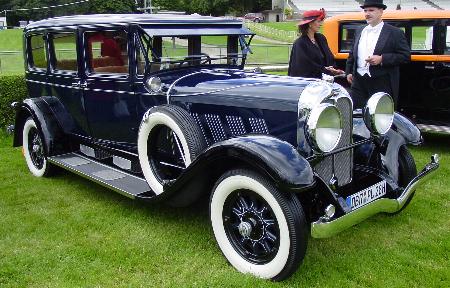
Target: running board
(434,128)
(114,179)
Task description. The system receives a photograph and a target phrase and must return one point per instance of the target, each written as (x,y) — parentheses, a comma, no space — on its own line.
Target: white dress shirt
(366,46)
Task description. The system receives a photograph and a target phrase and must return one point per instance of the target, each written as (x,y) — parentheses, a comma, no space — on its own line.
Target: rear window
(38,56)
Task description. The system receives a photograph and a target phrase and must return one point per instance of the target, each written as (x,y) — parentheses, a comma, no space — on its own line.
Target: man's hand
(374,60)
(350,78)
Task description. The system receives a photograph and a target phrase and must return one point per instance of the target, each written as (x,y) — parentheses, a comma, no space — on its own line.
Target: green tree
(91,7)
(116,6)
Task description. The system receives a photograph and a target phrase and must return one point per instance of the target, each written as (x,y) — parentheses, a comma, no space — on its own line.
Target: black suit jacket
(394,48)
(308,60)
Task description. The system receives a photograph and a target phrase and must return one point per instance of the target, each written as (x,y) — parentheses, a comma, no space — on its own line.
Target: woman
(310,55)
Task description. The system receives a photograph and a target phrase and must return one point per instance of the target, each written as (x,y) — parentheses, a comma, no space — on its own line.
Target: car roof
(396,15)
(125,19)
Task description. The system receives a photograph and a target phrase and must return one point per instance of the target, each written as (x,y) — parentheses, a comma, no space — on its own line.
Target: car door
(107,90)
(424,89)
(64,81)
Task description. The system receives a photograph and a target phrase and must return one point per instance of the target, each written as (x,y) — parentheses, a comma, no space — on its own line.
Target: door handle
(79,84)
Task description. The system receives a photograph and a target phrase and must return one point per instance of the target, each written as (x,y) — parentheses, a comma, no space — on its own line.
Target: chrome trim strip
(323,228)
(79,88)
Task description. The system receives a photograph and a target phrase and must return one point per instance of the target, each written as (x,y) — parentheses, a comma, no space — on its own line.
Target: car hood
(238,88)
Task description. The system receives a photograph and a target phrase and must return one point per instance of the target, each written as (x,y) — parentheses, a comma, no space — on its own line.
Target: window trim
(52,53)
(85,61)
(30,66)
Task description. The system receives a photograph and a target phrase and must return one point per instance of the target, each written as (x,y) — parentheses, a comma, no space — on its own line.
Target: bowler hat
(311,15)
(374,3)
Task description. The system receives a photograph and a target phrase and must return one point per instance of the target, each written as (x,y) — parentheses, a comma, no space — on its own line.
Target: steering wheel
(204,59)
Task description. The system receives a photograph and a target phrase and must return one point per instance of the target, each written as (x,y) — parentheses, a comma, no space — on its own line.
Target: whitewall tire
(33,149)
(259,230)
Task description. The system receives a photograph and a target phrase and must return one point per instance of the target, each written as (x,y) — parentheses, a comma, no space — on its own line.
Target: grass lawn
(65,231)
(285,26)
(11,40)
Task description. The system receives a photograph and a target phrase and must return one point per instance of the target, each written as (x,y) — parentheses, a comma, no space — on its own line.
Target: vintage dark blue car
(158,107)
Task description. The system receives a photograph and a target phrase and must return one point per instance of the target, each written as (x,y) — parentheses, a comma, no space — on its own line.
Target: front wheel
(259,229)
(406,171)
(33,149)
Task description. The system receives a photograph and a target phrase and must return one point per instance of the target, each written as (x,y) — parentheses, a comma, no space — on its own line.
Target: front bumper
(323,228)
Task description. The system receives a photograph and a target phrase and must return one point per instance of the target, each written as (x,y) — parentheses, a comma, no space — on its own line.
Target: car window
(37,48)
(182,51)
(447,41)
(347,32)
(107,52)
(65,51)
(422,38)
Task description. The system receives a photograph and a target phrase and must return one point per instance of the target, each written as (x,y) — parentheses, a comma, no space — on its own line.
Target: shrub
(12,88)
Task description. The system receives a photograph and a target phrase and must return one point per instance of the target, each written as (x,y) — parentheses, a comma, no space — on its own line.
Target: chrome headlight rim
(379,113)
(314,129)
(153,84)
(312,95)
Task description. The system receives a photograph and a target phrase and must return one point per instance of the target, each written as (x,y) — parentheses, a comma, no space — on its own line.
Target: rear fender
(46,121)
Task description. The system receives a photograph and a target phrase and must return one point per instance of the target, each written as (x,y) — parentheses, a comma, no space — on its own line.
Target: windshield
(169,52)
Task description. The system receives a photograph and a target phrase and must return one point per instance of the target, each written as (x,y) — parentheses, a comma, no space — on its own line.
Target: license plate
(367,195)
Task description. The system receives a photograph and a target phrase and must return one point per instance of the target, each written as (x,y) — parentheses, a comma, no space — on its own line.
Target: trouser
(365,86)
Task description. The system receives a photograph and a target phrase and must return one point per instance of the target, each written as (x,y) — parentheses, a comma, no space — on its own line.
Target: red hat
(311,15)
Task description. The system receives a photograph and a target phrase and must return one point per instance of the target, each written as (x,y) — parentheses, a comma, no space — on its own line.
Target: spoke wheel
(259,229)
(251,226)
(36,148)
(33,149)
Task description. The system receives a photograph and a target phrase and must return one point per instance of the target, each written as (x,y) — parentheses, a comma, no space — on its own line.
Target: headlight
(379,113)
(324,127)
(153,84)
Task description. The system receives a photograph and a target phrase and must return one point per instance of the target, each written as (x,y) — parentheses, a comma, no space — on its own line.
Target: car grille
(343,161)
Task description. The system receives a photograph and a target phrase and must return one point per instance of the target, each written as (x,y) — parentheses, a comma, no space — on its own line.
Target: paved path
(269,40)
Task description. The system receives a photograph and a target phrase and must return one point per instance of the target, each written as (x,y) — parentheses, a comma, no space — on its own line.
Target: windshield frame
(152,55)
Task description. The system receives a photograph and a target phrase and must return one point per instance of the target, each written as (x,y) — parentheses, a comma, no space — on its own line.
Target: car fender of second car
(40,109)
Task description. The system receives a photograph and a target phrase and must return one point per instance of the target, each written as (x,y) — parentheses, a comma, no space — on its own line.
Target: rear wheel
(33,149)
(259,229)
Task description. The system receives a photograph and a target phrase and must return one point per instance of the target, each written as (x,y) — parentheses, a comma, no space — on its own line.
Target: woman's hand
(334,71)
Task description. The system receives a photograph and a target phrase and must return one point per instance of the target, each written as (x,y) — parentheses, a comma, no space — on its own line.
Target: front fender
(269,156)
(407,129)
(403,132)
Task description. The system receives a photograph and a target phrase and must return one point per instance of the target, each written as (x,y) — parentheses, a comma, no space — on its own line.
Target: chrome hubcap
(36,148)
(245,229)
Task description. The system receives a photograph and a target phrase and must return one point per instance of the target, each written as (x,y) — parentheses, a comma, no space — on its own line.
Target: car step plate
(366,196)
(117,180)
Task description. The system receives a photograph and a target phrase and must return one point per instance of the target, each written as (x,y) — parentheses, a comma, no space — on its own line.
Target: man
(378,50)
